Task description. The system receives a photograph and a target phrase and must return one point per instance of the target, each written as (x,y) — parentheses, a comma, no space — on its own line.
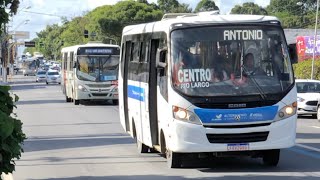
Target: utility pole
(315,41)
(4,41)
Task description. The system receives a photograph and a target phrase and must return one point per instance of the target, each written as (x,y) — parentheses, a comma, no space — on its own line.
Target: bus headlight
(287,111)
(82,88)
(185,115)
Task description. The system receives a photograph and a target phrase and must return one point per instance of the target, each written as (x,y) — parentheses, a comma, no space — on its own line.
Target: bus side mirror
(161,58)
(293,53)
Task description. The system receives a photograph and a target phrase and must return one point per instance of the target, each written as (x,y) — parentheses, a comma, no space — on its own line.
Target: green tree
(167,5)
(11,134)
(49,41)
(206,5)
(4,16)
(249,8)
(182,8)
(294,13)
(143,1)
(173,6)
(127,13)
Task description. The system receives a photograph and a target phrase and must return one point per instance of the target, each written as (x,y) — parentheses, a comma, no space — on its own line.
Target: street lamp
(301,4)
(315,40)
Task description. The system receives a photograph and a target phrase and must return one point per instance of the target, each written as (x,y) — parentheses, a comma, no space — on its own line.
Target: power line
(47,14)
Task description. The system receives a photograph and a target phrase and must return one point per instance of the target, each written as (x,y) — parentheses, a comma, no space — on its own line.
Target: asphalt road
(87,142)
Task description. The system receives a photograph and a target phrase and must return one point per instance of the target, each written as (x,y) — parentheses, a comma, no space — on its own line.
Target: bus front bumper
(105,95)
(186,137)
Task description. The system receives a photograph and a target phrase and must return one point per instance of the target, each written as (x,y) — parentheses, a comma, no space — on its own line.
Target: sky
(72,8)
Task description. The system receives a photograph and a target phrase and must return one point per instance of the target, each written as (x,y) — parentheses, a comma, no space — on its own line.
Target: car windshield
(53,73)
(98,68)
(41,72)
(308,87)
(230,61)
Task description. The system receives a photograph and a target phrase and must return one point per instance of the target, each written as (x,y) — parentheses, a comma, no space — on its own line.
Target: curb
(6,176)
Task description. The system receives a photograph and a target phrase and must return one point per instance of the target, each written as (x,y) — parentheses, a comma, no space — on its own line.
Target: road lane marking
(315,127)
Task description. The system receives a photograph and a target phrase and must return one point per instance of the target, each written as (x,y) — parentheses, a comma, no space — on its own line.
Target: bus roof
(196,19)
(90,44)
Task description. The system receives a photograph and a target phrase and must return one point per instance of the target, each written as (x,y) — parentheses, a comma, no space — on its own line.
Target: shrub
(302,70)
(11,134)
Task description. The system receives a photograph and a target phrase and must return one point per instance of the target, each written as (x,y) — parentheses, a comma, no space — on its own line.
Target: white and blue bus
(208,85)
(90,72)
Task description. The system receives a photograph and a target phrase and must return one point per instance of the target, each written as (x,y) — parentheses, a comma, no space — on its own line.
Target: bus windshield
(230,61)
(98,68)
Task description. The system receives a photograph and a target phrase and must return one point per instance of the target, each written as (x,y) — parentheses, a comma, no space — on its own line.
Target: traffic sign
(29,44)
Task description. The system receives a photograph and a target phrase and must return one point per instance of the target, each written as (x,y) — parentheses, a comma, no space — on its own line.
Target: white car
(308,96)
(41,76)
(53,77)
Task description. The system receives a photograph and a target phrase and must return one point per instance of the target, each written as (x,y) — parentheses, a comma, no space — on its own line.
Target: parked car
(53,77)
(41,76)
(308,96)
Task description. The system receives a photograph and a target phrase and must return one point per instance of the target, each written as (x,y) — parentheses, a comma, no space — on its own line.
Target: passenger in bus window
(249,65)
(219,71)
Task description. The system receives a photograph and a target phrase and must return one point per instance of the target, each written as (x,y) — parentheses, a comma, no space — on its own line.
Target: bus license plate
(238,147)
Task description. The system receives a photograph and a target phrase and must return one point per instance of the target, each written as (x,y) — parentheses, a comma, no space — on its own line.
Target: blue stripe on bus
(136,92)
(237,115)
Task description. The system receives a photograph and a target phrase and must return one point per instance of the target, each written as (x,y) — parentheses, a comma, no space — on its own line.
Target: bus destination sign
(98,51)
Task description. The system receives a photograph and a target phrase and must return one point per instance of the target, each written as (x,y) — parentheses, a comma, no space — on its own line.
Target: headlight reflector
(82,88)
(287,111)
(185,115)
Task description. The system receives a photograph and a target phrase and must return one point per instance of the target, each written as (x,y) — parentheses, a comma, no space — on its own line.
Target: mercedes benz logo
(237,117)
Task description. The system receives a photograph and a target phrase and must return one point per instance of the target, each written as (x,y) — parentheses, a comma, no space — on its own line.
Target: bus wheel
(76,102)
(68,99)
(271,157)
(142,148)
(173,159)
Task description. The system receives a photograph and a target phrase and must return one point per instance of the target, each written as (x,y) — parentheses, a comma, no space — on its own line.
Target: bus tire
(271,157)
(142,148)
(76,102)
(173,159)
(115,101)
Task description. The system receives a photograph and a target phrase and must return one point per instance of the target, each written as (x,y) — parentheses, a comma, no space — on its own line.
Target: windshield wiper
(107,60)
(261,93)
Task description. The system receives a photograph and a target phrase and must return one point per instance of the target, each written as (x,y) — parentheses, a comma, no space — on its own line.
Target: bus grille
(100,94)
(237,125)
(99,85)
(238,138)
